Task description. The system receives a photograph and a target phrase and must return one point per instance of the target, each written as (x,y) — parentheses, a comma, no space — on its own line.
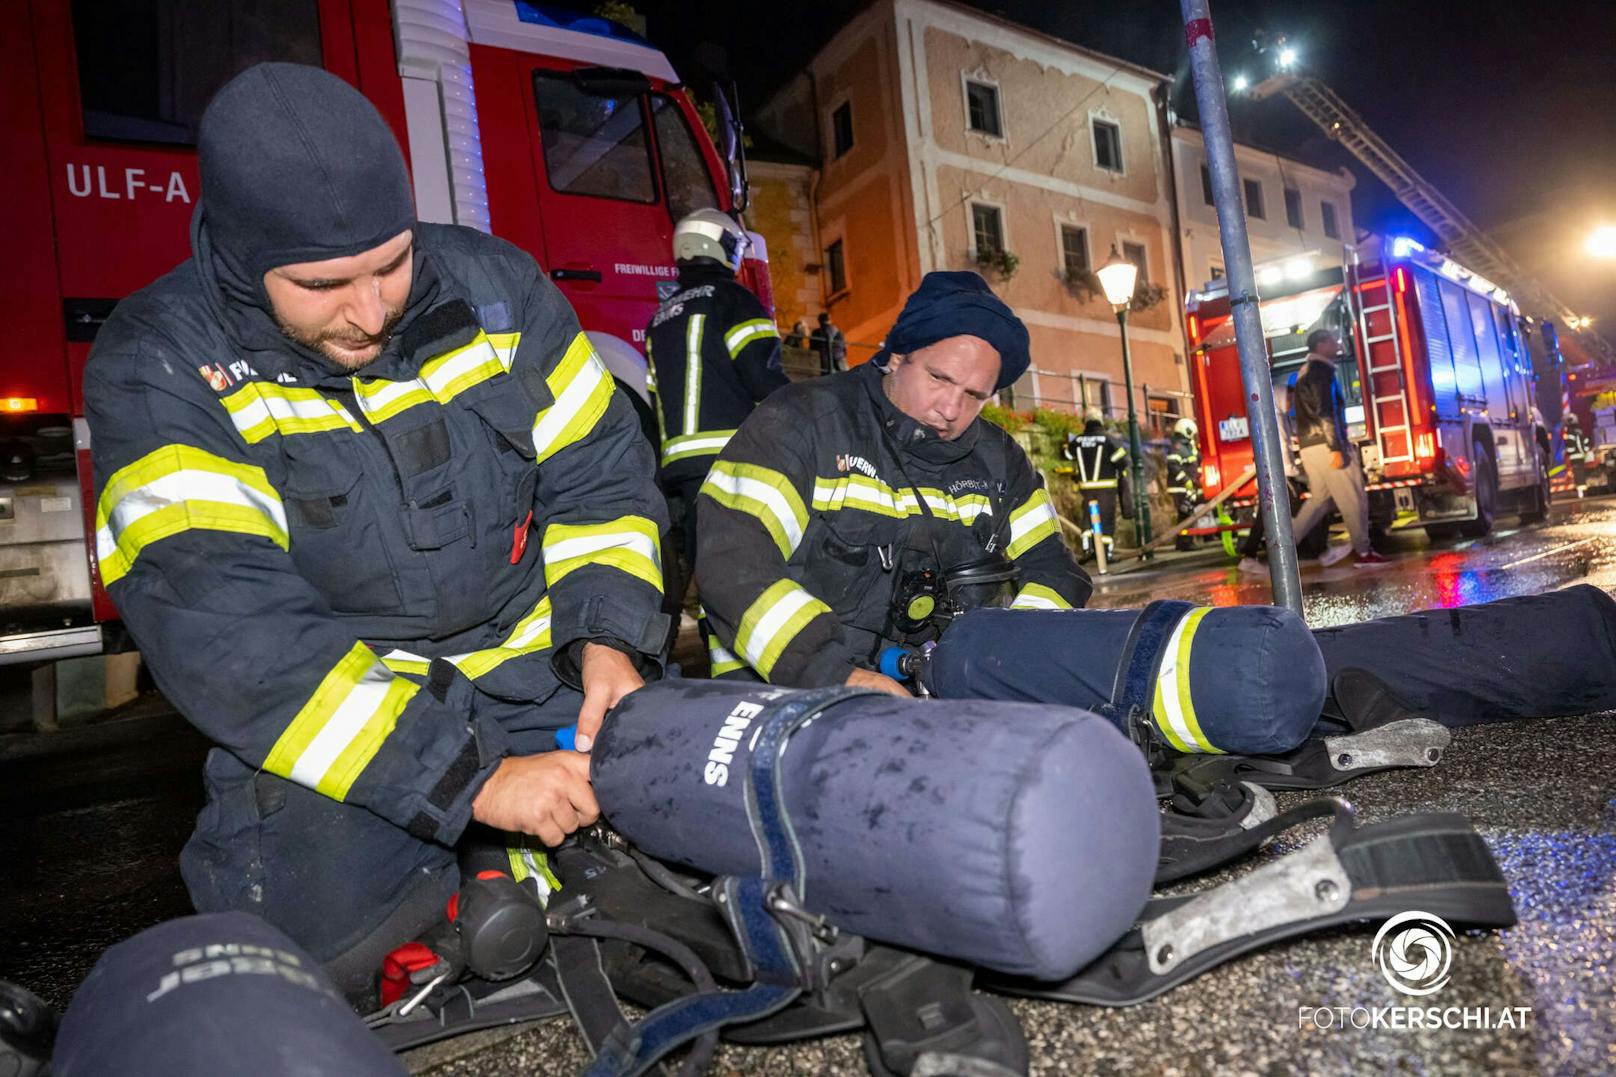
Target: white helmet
(707,233)
(1185,428)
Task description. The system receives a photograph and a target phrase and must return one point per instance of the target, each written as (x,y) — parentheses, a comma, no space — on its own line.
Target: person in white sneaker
(1334,478)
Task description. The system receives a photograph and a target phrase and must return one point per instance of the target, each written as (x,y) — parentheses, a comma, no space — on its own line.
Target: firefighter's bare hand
(869,678)
(608,676)
(547,796)
(1338,459)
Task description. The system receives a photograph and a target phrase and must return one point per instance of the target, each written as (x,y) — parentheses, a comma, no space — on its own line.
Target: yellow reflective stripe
(1035,596)
(1030,524)
(442,378)
(763,493)
(1174,708)
(405,662)
(721,658)
(259,409)
(1101,484)
(504,345)
(692,413)
(873,495)
(628,543)
(582,388)
(180,488)
(706,443)
(530,863)
(339,730)
(770,624)
(531,634)
(746,332)
(1120,454)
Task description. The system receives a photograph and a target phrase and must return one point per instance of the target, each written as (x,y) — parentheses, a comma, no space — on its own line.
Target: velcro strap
(1135,684)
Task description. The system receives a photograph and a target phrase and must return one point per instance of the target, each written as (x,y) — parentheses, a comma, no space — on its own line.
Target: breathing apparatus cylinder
(1018,838)
(1245,679)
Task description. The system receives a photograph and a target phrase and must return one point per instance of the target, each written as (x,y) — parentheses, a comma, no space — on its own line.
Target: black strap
(1133,689)
(586,990)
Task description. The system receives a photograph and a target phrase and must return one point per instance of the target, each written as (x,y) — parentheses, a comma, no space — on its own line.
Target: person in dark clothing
(1184,473)
(319,536)
(715,353)
(1099,470)
(1334,478)
(830,344)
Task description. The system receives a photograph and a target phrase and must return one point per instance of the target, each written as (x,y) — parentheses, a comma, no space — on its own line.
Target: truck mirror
(732,145)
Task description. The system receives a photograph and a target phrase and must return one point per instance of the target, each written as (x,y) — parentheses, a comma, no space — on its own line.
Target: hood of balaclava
(297,166)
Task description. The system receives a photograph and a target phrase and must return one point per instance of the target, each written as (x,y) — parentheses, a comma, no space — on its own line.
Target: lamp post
(1117,279)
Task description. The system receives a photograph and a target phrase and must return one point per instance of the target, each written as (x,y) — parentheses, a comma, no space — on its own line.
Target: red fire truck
(1437,375)
(568,135)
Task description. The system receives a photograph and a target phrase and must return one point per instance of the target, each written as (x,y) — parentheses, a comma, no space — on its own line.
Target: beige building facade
(950,139)
(1299,218)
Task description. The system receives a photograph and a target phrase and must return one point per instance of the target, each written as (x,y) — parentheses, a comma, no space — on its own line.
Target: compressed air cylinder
(1529,657)
(220,993)
(1019,838)
(1243,679)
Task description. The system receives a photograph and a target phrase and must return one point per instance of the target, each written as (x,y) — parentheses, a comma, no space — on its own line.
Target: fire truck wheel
(1486,493)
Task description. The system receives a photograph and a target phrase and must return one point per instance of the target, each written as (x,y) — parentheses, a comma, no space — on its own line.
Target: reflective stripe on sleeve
(342,726)
(1174,709)
(259,409)
(405,662)
(873,495)
(746,332)
(628,543)
(1030,524)
(1035,596)
(181,488)
(531,634)
(770,624)
(721,658)
(764,494)
(692,403)
(707,443)
(442,378)
(583,389)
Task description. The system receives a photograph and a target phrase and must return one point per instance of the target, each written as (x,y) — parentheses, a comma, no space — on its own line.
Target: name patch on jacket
(848,462)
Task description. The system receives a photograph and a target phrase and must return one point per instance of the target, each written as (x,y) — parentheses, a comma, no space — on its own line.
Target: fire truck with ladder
(570,136)
(1438,373)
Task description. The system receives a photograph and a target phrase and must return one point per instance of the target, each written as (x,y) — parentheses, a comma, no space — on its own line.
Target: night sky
(1509,108)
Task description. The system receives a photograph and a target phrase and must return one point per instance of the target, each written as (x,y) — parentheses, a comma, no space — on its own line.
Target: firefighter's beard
(343,348)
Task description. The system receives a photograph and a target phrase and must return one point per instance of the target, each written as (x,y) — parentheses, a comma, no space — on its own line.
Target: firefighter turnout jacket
(1098,459)
(812,510)
(1184,469)
(715,353)
(329,572)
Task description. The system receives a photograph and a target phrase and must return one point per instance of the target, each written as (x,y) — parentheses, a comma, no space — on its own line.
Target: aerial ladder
(1468,245)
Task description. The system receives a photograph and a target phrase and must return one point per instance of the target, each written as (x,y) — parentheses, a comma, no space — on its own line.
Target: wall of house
(781,211)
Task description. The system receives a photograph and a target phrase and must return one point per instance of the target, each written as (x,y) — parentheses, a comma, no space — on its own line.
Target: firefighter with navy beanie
(715,352)
(378,522)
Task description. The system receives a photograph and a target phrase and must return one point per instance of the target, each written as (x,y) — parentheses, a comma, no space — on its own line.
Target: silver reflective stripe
(693,374)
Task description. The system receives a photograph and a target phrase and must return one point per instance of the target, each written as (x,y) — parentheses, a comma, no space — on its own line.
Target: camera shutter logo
(1414,951)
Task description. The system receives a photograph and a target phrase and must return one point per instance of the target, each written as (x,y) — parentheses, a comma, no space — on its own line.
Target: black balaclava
(297,166)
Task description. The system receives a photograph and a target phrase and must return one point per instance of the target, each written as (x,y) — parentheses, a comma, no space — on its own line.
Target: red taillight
(1211,477)
(1401,276)
(17,404)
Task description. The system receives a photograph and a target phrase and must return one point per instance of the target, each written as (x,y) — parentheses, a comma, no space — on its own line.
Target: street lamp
(1117,279)
(1602,242)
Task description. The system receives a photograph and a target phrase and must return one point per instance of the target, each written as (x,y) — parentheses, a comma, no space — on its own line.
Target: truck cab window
(684,171)
(147,68)
(594,144)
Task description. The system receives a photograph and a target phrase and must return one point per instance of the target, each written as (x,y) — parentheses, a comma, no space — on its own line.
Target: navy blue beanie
(960,304)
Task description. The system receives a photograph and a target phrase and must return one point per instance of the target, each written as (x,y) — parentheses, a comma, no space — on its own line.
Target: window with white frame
(1254,200)
(1107,144)
(1074,241)
(1293,207)
(1216,271)
(982,108)
(1135,253)
(1327,217)
(987,228)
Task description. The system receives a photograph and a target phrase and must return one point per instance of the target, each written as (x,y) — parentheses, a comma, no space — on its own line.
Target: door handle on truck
(575,274)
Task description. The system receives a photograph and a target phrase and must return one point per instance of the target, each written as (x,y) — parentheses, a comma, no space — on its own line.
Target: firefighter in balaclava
(715,352)
(1099,461)
(1184,471)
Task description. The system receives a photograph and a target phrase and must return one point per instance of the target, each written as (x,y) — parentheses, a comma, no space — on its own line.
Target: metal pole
(1136,468)
(1272,495)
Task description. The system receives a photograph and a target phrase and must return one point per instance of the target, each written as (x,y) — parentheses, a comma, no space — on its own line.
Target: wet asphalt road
(89,858)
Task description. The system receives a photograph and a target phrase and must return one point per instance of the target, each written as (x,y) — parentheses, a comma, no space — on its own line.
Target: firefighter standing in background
(1184,471)
(714,354)
(1098,464)
(1576,451)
